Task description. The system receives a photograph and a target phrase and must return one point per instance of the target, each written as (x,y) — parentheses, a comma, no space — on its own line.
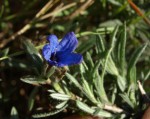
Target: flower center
(53,56)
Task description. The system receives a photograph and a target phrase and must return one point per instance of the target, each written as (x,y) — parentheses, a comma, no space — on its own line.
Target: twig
(113,108)
(143,91)
(81,8)
(56,9)
(45,8)
(29,25)
(139,12)
(54,12)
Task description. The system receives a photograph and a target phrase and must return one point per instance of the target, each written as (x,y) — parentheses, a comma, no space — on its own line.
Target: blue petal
(46,51)
(68,43)
(50,48)
(53,40)
(64,58)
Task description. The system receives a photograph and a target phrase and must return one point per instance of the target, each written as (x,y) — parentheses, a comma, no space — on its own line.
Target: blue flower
(61,53)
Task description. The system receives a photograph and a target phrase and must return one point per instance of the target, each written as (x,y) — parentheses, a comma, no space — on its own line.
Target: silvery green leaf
(30,104)
(111,23)
(147,75)
(95,68)
(122,49)
(111,67)
(35,80)
(61,105)
(31,98)
(84,107)
(132,76)
(82,68)
(100,44)
(115,2)
(14,113)
(102,113)
(127,100)
(72,79)
(114,92)
(46,114)
(135,56)
(92,111)
(121,83)
(51,91)
(88,90)
(89,59)
(59,96)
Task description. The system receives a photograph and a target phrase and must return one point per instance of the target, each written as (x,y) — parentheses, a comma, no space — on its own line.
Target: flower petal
(64,59)
(68,43)
(50,48)
(53,40)
(46,51)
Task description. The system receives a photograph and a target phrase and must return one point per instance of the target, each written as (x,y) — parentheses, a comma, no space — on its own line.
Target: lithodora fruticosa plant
(104,83)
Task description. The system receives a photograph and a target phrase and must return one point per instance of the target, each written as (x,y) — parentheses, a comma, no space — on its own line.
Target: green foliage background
(113,39)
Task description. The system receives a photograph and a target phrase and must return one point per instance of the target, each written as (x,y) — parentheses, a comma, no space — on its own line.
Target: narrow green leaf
(92,111)
(132,95)
(14,113)
(132,76)
(84,107)
(35,80)
(31,99)
(95,68)
(89,92)
(89,59)
(114,2)
(111,67)
(1,11)
(72,79)
(147,75)
(114,94)
(122,50)
(59,96)
(100,44)
(127,100)
(113,37)
(82,68)
(51,91)
(111,23)
(61,105)
(108,54)
(31,104)
(46,114)
(98,81)
(135,56)
(102,113)
(121,83)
